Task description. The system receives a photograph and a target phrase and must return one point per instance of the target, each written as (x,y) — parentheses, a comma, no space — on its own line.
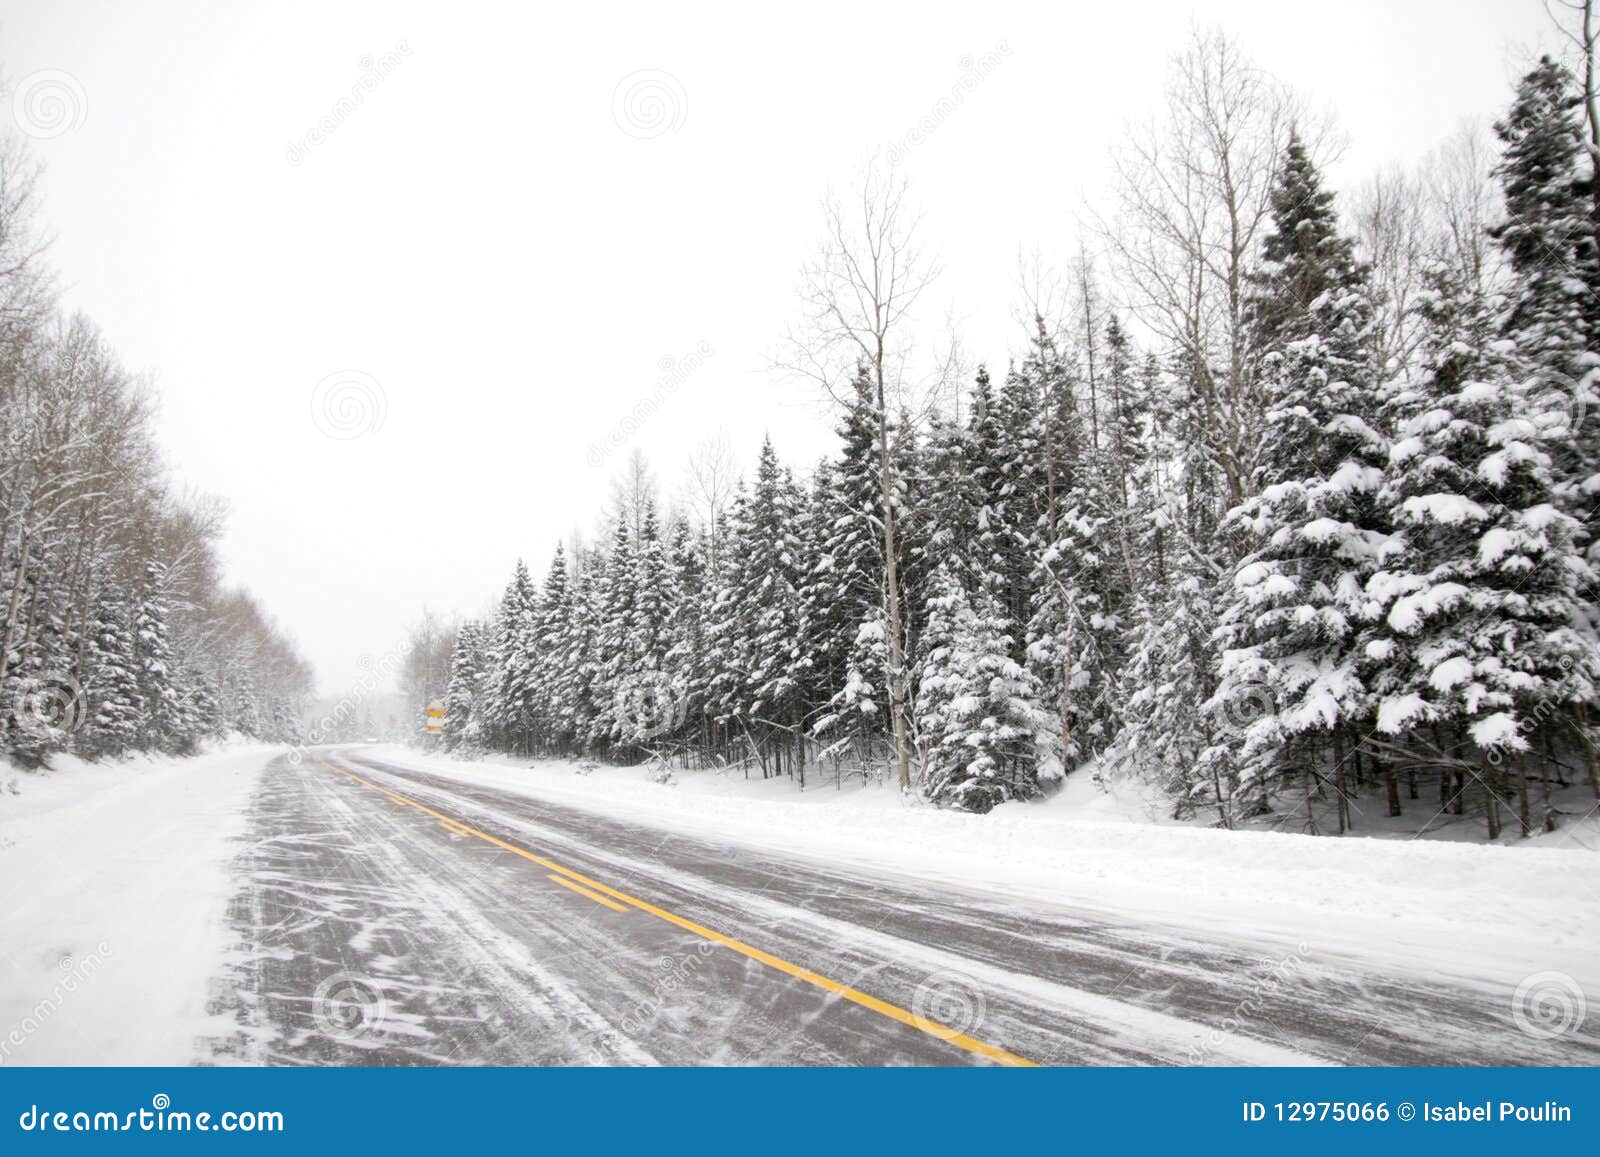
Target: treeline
(118,634)
(1285,505)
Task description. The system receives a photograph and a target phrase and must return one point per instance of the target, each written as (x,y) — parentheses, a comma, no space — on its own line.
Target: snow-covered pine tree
(162,728)
(1157,504)
(115,706)
(1479,640)
(977,712)
(1312,532)
(614,664)
(721,683)
(1023,510)
(468,672)
(514,659)
(189,717)
(843,594)
(243,708)
(1167,678)
(1549,237)
(767,590)
(1070,628)
(688,556)
(655,700)
(580,669)
(557,702)
(1125,460)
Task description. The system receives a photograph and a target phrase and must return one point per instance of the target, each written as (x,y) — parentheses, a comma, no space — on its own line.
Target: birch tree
(858,295)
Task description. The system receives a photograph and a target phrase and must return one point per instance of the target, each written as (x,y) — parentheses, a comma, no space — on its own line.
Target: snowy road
(391,915)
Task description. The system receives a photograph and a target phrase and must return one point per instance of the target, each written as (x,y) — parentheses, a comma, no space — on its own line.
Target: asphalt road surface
(388,915)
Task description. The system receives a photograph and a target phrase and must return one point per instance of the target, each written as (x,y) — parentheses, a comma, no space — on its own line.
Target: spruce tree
(468,671)
(115,705)
(976,707)
(1479,636)
(163,725)
(843,593)
(1549,237)
(558,703)
(1312,533)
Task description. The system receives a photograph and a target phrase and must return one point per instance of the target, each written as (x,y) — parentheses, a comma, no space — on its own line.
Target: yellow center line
(844,991)
(582,891)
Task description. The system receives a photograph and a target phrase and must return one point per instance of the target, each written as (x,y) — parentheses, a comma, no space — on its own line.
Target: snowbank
(1487,912)
(114,884)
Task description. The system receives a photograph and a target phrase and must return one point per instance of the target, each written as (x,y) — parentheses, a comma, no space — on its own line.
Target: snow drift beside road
(114,886)
(1488,912)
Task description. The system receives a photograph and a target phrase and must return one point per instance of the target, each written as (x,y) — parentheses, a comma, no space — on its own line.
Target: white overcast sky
(485,243)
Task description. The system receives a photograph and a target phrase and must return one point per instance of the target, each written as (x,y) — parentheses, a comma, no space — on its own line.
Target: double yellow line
(621,901)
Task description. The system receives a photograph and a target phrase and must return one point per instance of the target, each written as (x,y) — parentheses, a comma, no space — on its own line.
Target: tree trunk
(1593,760)
(1338,782)
(1491,802)
(16,602)
(891,591)
(1522,798)
(1306,774)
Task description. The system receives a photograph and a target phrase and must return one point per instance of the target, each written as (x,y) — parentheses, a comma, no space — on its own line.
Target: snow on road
(1058,984)
(114,885)
(1493,913)
(167,911)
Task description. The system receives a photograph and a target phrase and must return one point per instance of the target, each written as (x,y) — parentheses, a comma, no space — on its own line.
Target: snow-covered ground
(1492,912)
(114,884)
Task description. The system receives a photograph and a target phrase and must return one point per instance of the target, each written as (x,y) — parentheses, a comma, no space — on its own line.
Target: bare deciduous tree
(858,293)
(712,475)
(1391,227)
(1193,192)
